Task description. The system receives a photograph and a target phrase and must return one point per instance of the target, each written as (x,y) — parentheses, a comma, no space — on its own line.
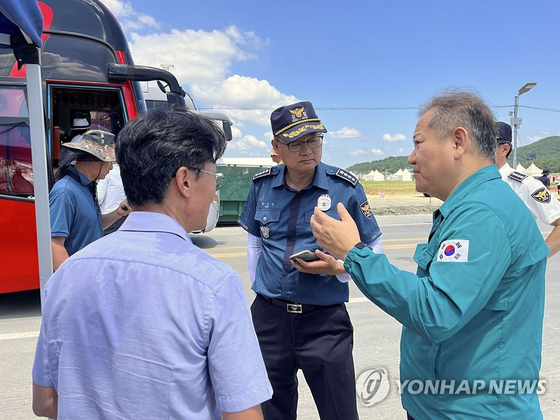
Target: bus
(87,72)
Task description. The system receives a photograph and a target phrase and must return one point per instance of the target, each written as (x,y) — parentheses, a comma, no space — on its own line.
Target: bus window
(16,174)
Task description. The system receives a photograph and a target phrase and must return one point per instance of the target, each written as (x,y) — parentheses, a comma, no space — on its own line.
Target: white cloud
(202,62)
(128,17)
(359,152)
(247,143)
(377,152)
(344,133)
(253,99)
(393,138)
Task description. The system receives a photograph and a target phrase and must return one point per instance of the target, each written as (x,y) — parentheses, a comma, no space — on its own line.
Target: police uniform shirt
(535,195)
(281,216)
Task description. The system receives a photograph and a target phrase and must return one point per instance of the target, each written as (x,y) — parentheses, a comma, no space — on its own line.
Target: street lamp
(516,122)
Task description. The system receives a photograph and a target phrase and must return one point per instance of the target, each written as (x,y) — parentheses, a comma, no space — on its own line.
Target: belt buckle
(294,308)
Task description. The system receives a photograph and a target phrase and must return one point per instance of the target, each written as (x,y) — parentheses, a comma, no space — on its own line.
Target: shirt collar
(84,180)
(505,170)
(488,173)
(319,180)
(145,221)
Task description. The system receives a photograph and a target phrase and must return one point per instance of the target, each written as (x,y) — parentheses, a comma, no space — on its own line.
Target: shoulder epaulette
(517,176)
(263,173)
(341,173)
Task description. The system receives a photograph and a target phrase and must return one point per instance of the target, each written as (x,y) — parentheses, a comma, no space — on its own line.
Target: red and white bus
(87,70)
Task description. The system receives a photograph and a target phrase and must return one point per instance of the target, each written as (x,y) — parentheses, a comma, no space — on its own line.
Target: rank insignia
(366,210)
(541,195)
(324,202)
(517,176)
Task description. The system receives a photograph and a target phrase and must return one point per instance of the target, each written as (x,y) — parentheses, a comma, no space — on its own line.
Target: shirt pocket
(331,212)
(267,221)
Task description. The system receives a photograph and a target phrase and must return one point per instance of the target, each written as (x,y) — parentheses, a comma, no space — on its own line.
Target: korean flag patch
(454,250)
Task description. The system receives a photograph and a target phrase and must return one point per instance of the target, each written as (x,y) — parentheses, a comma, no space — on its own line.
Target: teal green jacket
(472,315)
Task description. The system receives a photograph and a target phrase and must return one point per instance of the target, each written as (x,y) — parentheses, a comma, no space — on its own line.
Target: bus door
(16,190)
(102,107)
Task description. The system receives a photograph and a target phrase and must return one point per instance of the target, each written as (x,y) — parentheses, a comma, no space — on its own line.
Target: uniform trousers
(319,343)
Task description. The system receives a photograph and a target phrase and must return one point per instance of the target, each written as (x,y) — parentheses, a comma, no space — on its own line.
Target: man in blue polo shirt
(299,313)
(473,314)
(76,218)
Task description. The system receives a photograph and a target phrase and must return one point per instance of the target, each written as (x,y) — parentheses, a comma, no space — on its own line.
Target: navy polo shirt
(281,216)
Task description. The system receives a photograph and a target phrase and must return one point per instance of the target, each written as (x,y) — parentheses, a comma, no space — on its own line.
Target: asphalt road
(376,334)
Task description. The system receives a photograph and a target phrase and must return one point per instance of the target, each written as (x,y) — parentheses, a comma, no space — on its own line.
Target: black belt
(292,307)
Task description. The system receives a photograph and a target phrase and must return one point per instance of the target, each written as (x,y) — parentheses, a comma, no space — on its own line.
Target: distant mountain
(545,153)
(386,166)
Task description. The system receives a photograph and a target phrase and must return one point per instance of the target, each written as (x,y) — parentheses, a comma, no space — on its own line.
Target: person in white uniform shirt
(535,195)
(110,194)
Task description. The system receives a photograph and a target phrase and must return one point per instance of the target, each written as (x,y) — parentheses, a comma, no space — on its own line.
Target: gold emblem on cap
(297,112)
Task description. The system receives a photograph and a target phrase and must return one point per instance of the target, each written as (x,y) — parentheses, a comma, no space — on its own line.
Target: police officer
(299,313)
(535,195)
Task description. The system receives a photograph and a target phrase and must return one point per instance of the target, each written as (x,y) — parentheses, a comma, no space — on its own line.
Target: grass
(390,187)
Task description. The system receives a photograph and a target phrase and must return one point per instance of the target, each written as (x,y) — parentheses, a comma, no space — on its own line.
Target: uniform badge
(366,210)
(265,231)
(541,195)
(454,250)
(324,202)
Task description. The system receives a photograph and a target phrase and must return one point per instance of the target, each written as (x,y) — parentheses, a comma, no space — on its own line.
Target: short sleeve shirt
(73,213)
(534,194)
(281,217)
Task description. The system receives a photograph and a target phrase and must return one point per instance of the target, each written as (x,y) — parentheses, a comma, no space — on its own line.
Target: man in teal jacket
(472,315)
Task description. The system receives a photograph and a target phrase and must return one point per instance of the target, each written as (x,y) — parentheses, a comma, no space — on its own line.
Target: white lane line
(359,300)
(17,336)
(35,334)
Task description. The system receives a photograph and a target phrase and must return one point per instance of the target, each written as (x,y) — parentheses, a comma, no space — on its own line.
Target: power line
(540,109)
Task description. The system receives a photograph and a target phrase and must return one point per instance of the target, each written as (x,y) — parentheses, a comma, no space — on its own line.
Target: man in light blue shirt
(142,324)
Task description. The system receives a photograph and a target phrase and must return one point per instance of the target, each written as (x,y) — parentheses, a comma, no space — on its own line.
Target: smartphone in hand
(305,256)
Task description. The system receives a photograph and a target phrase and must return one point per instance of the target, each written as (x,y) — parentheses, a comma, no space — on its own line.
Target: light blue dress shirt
(142,324)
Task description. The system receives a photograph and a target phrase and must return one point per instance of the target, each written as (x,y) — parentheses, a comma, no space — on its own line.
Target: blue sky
(365,65)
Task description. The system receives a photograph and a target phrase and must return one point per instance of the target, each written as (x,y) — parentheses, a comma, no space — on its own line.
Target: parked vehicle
(87,71)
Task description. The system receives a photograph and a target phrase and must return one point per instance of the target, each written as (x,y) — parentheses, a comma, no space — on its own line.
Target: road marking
(17,336)
(244,254)
(359,300)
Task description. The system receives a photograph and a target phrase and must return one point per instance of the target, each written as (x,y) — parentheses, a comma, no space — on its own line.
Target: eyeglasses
(219,177)
(313,143)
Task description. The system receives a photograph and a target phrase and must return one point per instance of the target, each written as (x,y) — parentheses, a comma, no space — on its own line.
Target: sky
(365,65)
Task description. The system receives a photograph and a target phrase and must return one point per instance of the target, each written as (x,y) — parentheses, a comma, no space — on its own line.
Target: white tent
(378,176)
(520,168)
(407,175)
(373,176)
(533,170)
